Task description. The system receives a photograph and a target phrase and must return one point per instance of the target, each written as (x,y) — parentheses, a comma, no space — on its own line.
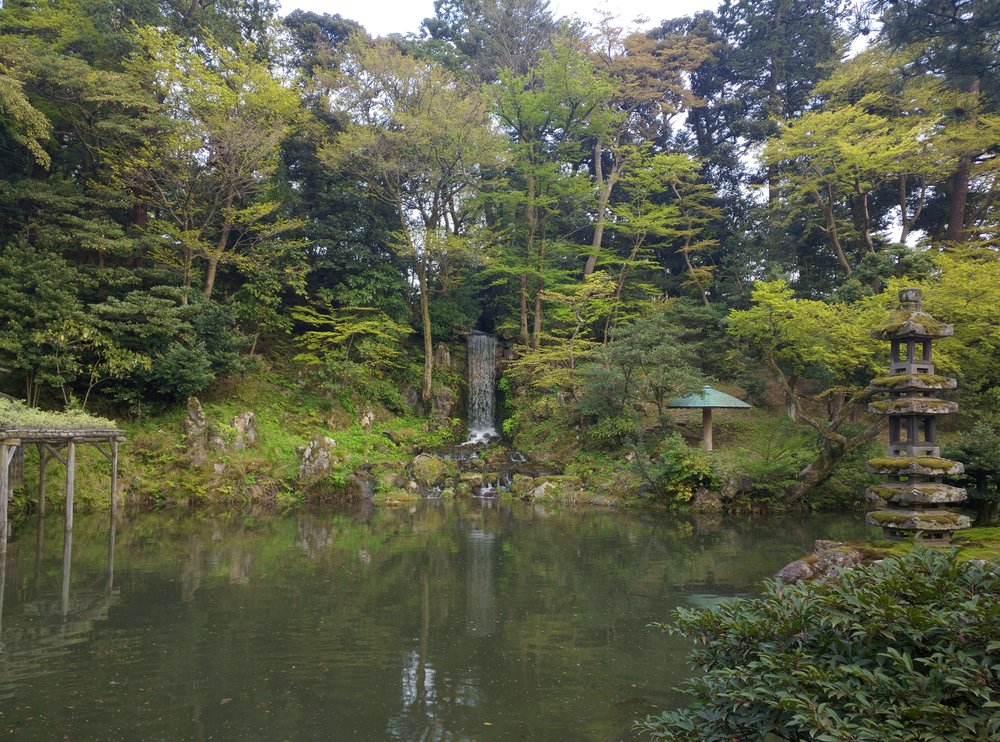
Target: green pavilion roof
(709,397)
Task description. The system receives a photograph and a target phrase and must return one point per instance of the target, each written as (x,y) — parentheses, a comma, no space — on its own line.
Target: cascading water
(482,387)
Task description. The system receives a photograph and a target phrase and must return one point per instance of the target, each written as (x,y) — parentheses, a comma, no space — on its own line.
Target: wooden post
(43,459)
(67,562)
(4,495)
(70,482)
(706,427)
(114,482)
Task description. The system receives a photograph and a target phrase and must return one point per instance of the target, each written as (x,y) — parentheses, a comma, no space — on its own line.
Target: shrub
(676,470)
(904,649)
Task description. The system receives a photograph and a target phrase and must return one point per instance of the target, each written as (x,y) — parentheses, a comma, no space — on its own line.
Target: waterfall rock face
(482,416)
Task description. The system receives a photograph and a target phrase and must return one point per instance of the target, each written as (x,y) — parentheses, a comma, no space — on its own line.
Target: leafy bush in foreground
(905,649)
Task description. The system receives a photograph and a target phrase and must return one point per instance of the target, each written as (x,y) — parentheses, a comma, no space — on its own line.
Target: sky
(381,17)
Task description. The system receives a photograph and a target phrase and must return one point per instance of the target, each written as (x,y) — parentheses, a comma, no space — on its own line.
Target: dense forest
(190,191)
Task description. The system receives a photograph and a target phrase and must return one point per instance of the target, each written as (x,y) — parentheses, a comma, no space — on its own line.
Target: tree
(834,161)
(827,345)
(644,365)
(778,50)
(38,296)
(420,143)
(20,122)
(494,35)
(548,113)
(207,175)
(955,39)
(649,90)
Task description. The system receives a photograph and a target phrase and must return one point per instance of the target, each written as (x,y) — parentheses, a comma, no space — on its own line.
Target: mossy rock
(907,323)
(915,493)
(922,466)
(913,406)
(919,520)
(522,484)
(474,479)
(429,470)
(396,498)
(916,382)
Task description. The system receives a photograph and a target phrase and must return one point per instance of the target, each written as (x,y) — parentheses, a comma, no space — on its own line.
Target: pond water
(447,621)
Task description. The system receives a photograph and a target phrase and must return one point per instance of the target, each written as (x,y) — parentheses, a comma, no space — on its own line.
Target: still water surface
(450,621)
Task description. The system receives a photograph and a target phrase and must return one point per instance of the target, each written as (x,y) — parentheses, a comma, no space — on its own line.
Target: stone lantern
(914,500)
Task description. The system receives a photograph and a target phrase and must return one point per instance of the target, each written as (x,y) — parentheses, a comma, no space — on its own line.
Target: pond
(445,621)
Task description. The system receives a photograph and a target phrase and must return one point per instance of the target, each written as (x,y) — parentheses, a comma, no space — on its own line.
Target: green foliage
(358,348)
(38,296)
(645,365)
(978,447)
(900,650)
(187,345)
(676,471)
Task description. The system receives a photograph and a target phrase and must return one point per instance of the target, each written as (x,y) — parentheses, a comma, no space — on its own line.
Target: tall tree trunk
(523,297)
(605,186)
(425,318)
(959,186)
(959,196)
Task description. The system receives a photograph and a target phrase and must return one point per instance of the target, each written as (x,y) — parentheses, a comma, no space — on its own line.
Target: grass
(155,470)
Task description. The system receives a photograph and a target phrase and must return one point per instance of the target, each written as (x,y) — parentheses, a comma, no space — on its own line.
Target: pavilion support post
(5,454)
(70,482)
(706,427)
(67,566)
(114,481)
(43,459)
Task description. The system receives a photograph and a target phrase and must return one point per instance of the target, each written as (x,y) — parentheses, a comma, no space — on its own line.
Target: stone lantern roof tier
(915,466)
(913,383)
(912,324)
(915,520)
(908,494)
(913,406)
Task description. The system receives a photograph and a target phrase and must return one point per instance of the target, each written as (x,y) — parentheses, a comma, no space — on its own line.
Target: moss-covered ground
(156,470)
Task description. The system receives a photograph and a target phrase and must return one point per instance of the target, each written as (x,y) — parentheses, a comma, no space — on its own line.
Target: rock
(338,418)
(219,468)
(317,460)
(830,558)
(442,357)
(830,562)
(196,432)
(545,489)
(820,545)
(706,501)
(428,470)
(442,402)
(394,437)
(245,425)
(366,420)
(474,479)
(797,570)
(522,484)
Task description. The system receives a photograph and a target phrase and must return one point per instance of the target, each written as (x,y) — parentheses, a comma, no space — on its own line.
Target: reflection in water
(481,601)
(448,622)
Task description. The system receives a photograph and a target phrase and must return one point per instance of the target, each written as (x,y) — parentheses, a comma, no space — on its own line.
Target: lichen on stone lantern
(914,498)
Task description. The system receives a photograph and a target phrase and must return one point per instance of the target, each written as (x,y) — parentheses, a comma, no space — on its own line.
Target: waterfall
(482,387)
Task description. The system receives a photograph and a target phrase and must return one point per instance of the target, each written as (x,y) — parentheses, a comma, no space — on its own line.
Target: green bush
(904,649)
(676,470)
